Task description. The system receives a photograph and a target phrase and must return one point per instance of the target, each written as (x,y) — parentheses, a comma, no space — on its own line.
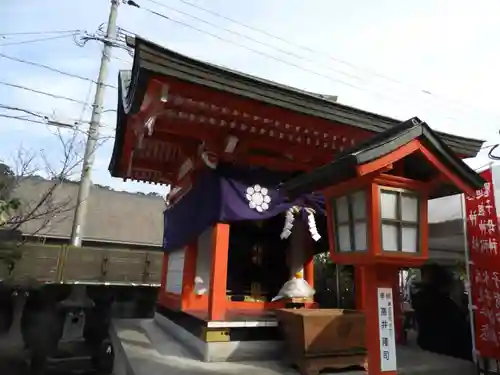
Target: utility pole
(93,135)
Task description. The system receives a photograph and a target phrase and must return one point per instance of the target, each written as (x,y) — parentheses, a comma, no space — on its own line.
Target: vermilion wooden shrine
(224,142)
(377,209)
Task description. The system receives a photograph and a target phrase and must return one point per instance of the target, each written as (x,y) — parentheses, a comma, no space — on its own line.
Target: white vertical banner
(387,334)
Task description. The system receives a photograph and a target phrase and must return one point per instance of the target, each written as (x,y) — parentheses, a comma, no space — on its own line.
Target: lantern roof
(414,165)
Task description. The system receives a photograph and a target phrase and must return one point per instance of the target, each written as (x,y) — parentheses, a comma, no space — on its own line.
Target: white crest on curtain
(290,218)
(258,198)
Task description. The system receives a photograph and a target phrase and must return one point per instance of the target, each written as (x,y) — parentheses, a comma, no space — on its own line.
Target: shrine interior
(257,266)
(258,259)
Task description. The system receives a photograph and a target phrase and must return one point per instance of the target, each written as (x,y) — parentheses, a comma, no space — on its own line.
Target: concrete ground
(155,353)
(142,348)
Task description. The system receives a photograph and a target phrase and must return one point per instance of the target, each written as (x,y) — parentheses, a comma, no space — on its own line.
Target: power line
(38,65)
(134,4)
(35,40)
(47,117)
(40,115)
(120,59)
(252,39)
(19,109)
(281,39)
(272,57)
(324,54)
(43,32)
(271,35)
(45,120)
(21,118)
(43,93)
(52,123)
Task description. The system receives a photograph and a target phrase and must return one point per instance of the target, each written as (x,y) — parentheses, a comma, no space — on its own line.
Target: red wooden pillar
(189,274)
(370,308)
(374,276)
(359,287)
(218,276)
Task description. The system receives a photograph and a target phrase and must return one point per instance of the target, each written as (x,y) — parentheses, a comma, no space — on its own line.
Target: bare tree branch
(35,181)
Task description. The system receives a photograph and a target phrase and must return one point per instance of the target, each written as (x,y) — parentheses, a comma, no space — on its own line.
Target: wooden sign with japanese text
(386,330)
(482,239)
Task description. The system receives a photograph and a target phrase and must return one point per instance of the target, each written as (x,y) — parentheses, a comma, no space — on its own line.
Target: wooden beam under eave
(435,183)
(273,163)
(167,128)
(387,161)
(446,173)
(173,138)
(259,110)
(171,130)
(321,154)
(227,117)
(156,165)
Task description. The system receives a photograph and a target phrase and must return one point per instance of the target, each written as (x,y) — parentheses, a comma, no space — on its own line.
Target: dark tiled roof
(151,59)
(117,217)
(344,166)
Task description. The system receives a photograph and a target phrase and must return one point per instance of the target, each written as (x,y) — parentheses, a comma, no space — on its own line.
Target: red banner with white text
(483,239)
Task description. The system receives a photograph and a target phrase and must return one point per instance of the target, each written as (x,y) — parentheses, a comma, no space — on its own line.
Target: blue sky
(437,60)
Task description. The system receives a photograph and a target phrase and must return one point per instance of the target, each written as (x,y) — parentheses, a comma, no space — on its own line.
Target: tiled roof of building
(113,216)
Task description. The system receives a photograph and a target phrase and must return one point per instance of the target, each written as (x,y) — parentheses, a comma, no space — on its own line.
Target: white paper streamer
(290,217)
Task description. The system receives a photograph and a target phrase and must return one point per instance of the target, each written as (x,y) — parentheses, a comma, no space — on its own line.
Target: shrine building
(226,142)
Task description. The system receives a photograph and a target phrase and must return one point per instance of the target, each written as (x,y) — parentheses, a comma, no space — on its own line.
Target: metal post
(468,283)
(93,136)
(337,286)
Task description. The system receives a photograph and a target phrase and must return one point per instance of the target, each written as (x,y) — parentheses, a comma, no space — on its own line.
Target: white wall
(446,234)
(175,271)
(449,208)
(204,259)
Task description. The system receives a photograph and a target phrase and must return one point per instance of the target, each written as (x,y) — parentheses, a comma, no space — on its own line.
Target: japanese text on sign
(482,239)
(482,221)
(486,295)
(386,330)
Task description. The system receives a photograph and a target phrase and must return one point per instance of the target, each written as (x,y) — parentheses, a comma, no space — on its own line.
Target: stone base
(221,351)
(143,348)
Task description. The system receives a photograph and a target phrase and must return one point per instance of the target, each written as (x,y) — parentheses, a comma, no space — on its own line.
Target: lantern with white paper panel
(350,221)
(378,222)
(400,220)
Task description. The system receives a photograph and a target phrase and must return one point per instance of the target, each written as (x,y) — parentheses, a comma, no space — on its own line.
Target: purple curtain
(228,194)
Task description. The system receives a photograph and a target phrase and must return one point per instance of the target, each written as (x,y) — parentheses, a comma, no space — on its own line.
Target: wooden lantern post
(376,196)
(379,225)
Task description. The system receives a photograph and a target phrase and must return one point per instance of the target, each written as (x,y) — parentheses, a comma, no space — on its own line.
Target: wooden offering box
(318,339)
